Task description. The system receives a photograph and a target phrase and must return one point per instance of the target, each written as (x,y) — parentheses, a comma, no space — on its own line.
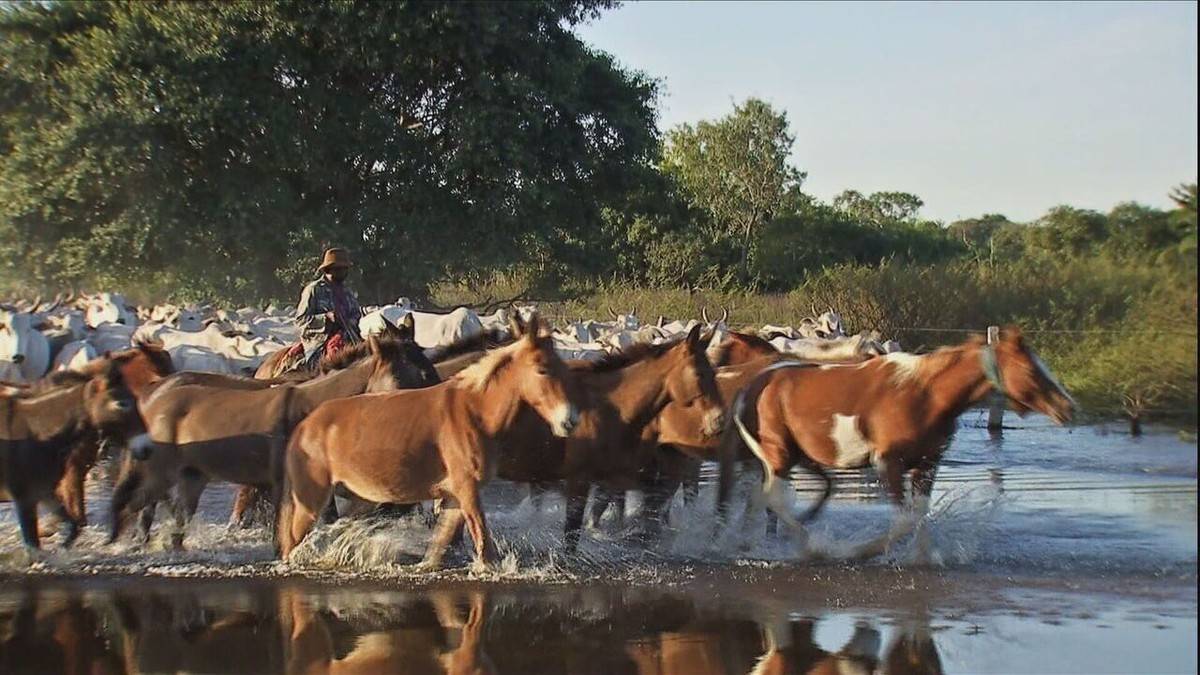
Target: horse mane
(476,376)
(617,360)
(924,367)
(488,339)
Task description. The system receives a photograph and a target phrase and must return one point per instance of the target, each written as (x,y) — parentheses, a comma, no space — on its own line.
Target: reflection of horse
(411,446)
(896,412)
(49,634)
(40,433)
(238,434)
(412,638)
(199,631)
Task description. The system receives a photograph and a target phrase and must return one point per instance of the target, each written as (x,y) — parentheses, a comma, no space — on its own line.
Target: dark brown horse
(624,392)
(410,446)
(238,435)
(39,433)
(896,412)
(675,441)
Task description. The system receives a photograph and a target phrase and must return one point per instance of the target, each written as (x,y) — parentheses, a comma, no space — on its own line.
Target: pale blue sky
(975,107)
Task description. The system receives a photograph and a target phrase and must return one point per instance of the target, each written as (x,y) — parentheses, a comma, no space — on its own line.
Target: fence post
(996,406)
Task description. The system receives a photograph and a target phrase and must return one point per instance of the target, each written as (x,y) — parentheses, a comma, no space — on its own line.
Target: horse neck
(638,391)
(960,384)
(349,381)
(496,405)
(731,379)
(57,416)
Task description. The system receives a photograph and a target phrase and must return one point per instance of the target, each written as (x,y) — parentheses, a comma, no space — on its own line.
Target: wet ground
(1065,550)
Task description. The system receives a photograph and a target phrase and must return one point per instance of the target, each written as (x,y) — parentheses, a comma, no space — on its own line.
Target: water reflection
(297,628)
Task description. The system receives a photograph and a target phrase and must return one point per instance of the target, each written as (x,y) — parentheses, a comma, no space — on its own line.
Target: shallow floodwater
(1064,550)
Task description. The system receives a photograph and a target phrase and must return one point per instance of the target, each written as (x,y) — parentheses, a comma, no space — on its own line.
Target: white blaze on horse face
(853,449)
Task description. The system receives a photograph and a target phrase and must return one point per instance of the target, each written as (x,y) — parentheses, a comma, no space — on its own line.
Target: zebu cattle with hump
(833,350)
(106,308)
(896,413)
(24,351)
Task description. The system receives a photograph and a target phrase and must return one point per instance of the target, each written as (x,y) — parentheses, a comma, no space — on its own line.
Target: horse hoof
(427,566)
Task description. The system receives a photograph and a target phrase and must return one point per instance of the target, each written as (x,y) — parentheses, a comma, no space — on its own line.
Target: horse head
(112,409)
(1017,371)
(542,377)
(692,380)
(400,363)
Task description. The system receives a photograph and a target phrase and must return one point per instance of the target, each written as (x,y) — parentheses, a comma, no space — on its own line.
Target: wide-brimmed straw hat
(335,257)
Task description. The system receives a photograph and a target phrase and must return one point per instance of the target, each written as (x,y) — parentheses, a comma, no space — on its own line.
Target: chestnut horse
(411,446)
(39,433)
(238,434)
(896,413)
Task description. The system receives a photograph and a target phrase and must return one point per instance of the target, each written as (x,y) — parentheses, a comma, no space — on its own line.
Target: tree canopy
(223,144)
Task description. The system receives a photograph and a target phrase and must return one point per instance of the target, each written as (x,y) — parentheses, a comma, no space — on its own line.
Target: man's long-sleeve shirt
(316,299)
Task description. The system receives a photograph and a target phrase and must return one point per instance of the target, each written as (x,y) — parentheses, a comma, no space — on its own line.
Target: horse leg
(892,473)
(242,503)
(577,494)
(70,492)
(472,510)
(28,519)
(145,522)
(63,513)
(601,499)
(307,487)
(449,524)
(772,450)
(922,479)
(187,498)
(815,510)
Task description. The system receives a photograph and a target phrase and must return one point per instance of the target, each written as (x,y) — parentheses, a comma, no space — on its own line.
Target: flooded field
(1064,550)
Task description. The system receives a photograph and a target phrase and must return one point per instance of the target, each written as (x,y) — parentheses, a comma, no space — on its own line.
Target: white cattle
(194,358)
(838,349)
(75,355)
(376,321)
(103,308)
(439,330)
(498,320)
(111,337)
(239,351)
(70,321)
(24,351)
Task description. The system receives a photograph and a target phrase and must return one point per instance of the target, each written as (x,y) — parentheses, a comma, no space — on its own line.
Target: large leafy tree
(220,145)
(736,169)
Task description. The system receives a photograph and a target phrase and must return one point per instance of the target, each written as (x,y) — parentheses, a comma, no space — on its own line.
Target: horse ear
(517,325)
(407,322)
(533,327)
(1012,334)
(693,336)
(373,345)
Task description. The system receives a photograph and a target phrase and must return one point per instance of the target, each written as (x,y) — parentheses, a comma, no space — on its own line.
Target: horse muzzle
(566,421)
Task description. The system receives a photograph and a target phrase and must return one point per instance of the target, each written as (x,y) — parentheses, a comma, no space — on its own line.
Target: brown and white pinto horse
(411,446)
(896,413)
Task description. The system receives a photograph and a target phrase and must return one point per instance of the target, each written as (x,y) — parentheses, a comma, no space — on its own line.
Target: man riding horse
(328,312)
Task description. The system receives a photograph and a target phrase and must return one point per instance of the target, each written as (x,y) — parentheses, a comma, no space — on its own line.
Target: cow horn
(612,313)
(704,314)
(814,311)
(37,302)
(724,314)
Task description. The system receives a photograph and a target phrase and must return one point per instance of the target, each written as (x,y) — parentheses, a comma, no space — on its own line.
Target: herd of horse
(386,424)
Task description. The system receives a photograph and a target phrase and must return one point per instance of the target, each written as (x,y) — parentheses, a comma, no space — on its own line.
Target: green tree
(1065,229)
(220,145)
(880,209)
(736,169)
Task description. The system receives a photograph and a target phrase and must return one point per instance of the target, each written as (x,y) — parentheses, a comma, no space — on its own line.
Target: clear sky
(975,107)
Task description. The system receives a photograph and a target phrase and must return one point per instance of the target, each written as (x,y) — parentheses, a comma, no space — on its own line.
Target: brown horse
(625,391)
(411,446)
(448,360)
(675,439)
(896,413)
(238,434)
(39,433)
